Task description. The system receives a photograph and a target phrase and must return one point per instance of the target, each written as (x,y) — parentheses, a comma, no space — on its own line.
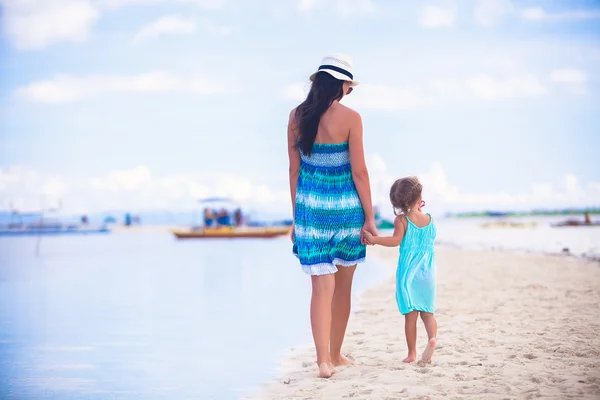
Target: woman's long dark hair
(324,91)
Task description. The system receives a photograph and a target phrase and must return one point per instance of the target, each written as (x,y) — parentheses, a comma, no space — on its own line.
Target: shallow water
(144,316)
(581,241)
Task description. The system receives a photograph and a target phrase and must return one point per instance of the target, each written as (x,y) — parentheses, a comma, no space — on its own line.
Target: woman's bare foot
(428,353)
(343,360)
(324,371)
(332,368)
(410,358)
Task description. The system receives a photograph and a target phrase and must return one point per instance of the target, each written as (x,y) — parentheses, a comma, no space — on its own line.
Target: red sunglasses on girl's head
(422,204)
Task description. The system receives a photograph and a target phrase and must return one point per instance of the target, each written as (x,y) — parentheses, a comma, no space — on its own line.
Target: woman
(331,201)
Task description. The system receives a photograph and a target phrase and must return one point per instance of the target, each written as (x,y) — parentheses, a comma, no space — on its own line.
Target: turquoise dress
(416,273)
(328,214)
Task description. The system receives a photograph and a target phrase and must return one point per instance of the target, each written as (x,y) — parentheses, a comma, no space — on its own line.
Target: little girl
(415,232)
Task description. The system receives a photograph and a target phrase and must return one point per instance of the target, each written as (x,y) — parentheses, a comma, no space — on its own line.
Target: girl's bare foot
(343,360)
(324,371)
(410,358)
(428,353)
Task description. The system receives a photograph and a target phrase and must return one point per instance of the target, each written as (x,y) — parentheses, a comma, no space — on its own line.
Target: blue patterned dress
(328,214)
(416,273)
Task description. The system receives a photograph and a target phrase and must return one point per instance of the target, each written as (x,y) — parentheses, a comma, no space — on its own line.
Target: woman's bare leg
(340,312)
(323,287)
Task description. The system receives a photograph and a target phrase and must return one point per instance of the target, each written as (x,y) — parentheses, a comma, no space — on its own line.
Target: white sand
(510,327)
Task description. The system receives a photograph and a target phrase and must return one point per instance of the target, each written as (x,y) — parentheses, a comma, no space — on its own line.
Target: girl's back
(416,273)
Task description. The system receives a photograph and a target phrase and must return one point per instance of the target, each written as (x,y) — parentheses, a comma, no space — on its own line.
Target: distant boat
(51,229)
(587,221)
(231,232)
(574,223)
(219,224)
(34,224)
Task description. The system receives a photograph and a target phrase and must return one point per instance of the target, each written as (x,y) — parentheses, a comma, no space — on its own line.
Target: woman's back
(335,125)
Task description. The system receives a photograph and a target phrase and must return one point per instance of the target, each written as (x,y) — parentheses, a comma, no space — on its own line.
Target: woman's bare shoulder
(347,110)
(349,115)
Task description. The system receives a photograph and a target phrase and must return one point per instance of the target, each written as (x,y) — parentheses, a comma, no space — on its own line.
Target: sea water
(134,315)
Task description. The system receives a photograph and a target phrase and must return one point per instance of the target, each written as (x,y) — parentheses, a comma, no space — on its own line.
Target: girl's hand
(367,237)
(370,228)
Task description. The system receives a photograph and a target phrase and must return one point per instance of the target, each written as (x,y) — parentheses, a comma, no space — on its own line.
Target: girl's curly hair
(405,192)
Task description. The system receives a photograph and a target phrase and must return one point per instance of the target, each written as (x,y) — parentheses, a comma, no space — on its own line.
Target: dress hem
(329,267)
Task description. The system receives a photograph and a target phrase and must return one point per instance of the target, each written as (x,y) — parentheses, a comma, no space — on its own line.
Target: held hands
(367,237)
(368,231)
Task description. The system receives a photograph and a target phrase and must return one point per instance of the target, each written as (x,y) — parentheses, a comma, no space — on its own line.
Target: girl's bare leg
(431,328)
(410,331)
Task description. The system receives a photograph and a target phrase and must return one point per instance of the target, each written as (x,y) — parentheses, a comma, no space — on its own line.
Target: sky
(152,104)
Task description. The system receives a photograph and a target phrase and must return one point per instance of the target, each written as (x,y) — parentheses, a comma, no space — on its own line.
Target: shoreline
(511,325)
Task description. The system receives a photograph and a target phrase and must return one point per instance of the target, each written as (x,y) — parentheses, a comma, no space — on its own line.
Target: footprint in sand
(529,356)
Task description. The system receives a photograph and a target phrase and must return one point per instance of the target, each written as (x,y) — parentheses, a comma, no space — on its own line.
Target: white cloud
(342,8)
(486,87)
(177,25)
(136,189)
(139,189)
(307,5)
(534,13)
(437,17)
(489,12)
(442,195)
(574,80)
(205,4)
(168,25)
(34,24)
(213,29)
(295,91)
(539,14)
(67,88)
(383,97)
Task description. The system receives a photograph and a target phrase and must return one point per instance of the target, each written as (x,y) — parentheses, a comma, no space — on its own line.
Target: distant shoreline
(533,213)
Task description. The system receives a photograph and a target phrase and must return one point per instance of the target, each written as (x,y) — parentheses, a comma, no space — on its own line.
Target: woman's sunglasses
(350,89)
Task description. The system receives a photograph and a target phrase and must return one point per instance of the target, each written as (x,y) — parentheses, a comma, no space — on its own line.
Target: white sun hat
(339,66)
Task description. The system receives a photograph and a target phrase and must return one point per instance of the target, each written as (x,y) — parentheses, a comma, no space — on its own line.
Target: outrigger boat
(46,226)
(222,228)
(233,232)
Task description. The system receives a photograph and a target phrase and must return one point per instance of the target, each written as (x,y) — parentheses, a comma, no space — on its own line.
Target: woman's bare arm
(359,166)
(294,158)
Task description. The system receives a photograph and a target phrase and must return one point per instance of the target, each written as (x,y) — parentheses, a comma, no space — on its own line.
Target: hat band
(337,69)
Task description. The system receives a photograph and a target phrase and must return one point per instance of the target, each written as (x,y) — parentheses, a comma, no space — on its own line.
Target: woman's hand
(367,236)
(370,228)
